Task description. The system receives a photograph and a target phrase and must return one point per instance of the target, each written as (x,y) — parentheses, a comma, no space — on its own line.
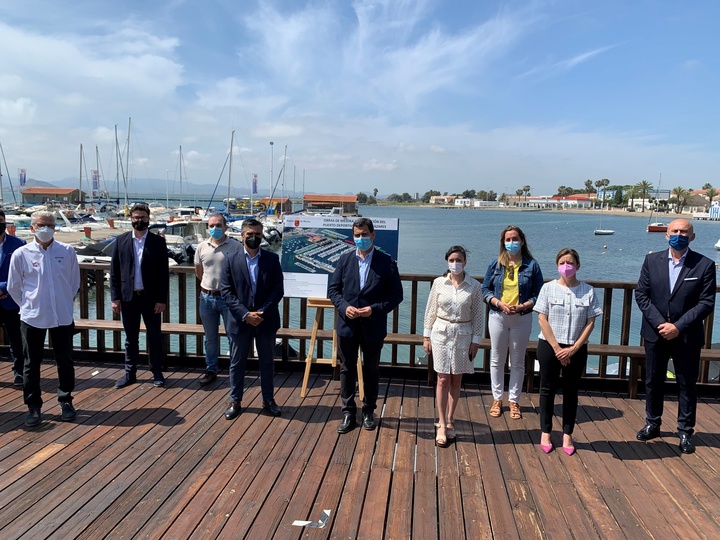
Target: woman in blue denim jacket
(510,288)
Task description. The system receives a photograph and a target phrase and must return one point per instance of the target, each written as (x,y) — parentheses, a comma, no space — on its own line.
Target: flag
(96,179)
(254,189)
(22,175)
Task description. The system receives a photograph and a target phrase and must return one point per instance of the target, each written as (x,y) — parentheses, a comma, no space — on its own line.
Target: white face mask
(44,234)
(455,267)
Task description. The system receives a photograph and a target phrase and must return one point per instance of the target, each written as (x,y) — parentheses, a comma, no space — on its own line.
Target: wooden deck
(163,463)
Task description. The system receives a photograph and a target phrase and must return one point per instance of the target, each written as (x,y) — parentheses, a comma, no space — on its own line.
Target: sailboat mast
(180,160)
(282,198)
(232,141)
(127,162)
(81,164)
(2,201)
(269,206)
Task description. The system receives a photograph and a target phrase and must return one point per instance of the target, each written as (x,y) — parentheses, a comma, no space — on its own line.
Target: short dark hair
(456,249)
(568,251)
(364,222)
(218,214)
(2,213)
(250,222)
(140,208)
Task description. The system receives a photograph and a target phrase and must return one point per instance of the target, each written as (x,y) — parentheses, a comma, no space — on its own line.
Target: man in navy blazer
(139,283)
(251,284)
(675,292)
(364,288)
(9,310)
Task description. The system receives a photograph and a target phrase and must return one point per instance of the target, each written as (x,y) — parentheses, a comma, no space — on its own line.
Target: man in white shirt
(209,259)
(44,279)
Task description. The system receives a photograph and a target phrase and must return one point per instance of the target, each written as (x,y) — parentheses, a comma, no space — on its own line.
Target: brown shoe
(496,409)
(515,412)
(207,377)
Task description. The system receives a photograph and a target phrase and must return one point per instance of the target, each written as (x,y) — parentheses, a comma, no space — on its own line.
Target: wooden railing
(618,325)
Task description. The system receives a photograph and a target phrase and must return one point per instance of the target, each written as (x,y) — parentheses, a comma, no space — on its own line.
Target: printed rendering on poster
(312,245)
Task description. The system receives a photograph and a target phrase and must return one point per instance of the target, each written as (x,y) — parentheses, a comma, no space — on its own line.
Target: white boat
(717,245)
(604,231)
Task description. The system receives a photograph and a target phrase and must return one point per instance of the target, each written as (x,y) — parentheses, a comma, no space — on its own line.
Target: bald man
(675,292)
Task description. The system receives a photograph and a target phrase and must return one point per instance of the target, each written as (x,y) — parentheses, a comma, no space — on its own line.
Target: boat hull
(603,232)
(657,227)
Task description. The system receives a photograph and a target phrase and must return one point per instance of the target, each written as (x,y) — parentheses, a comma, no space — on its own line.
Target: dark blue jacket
(530,281)
(11,244)
(383,292)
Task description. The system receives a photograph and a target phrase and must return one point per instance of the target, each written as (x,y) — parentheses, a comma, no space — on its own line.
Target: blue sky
(403,96)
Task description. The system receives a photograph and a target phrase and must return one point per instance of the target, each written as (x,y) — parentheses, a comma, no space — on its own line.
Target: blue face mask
(216,233)
(363,243)
(513,248)
(679,242)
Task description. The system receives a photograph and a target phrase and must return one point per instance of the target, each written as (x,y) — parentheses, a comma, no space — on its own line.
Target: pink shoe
(569,450)
(547,448)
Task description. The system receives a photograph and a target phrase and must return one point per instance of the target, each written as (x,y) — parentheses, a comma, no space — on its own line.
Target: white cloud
(19,111)
(375,165)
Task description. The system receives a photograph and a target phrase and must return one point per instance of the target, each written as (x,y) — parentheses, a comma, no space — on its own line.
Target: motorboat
(603,232)
(717,245)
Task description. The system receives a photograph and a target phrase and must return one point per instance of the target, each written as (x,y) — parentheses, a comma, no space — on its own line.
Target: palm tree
(632,193)
(588,186)
(375,192)
(644,188)
(711,192)
(526,191)
(681,197)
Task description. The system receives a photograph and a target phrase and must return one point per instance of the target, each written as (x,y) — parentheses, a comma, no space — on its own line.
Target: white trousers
(508,333)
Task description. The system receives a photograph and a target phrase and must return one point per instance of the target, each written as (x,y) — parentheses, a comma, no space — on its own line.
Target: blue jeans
(211,309)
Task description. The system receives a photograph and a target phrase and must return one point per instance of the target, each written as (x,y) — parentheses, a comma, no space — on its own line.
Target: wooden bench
(635,353)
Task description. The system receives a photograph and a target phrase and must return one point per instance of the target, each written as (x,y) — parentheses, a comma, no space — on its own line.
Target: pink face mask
(567,270)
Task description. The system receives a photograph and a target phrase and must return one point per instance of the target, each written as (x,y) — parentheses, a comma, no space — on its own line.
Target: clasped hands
(564,354)
(353,313)
(507,309)
(254,318)
(668,330)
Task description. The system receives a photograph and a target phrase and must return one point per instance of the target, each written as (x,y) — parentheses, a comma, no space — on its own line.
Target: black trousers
(348,349)
(10,319)
(686,359)
(34,344)
(550,371)
(142,307)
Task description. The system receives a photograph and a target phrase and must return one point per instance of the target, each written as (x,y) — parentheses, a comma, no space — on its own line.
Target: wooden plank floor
(144,462)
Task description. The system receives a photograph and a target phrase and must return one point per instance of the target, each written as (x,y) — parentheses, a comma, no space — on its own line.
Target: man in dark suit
(675,292)
(9,310)
(139,283)
(251,283)
(364,288)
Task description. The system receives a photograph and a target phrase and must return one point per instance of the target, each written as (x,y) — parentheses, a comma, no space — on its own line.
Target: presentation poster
(312,245)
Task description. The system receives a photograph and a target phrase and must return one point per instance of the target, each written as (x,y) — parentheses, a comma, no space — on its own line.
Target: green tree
(371,200)
(362,198)
(468,194)
(406,197)
(618,198)
(682,196)
(644,188)
(632,193)
(375,192)
(589,186)
(395,198)
(428,194)
(491,196)
(710,192)
(526,191)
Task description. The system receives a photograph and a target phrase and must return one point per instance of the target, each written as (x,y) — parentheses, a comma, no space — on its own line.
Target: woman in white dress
(452,333)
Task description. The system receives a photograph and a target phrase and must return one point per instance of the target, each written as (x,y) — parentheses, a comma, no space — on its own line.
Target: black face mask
(140,225)
(252,242)
(2,228)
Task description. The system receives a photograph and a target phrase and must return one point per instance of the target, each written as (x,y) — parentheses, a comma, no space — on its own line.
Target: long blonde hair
(504,256)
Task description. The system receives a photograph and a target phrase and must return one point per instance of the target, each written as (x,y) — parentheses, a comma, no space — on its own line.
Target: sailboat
(600,231)
(656,226)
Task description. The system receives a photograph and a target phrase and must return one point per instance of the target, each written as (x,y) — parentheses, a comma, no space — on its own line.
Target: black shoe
(68,411)
(33,417)
(207,378)
(233,411)
(272,407)
(126,380)
(159,382)
(686,445)
(369,421)
(18,381)
(347,424)
(648,433)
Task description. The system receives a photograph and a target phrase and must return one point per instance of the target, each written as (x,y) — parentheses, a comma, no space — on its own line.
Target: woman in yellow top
(510,288)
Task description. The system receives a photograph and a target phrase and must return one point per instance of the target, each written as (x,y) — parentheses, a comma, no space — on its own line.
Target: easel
(320,304)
